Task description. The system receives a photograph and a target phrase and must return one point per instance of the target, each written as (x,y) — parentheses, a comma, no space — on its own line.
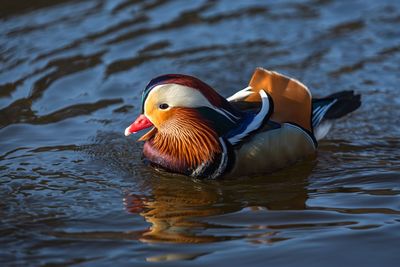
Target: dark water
(74,191)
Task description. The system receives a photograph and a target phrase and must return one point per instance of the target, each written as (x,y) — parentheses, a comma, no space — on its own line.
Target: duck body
(272,123)
(271,150)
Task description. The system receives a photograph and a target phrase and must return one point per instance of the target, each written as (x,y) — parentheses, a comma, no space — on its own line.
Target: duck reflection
(178,208)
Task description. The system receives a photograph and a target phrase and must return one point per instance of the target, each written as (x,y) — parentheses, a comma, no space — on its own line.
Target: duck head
(188,118)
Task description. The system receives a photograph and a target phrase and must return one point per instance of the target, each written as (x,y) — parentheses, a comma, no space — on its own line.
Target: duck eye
(164,106)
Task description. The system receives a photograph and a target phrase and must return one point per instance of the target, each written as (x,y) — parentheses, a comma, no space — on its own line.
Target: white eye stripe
(176,95)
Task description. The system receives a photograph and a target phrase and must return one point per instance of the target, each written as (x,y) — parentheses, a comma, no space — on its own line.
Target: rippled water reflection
(74,190)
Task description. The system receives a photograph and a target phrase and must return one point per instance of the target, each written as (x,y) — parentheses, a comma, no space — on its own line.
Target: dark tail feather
(346,102)
(332,107)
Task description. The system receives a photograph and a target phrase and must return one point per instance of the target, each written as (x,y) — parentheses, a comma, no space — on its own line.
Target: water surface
(74,190)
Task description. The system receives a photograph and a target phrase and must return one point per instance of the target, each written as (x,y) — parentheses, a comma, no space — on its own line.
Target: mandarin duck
(272,123)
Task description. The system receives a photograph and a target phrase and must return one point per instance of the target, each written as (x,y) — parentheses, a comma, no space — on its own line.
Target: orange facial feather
(186,138)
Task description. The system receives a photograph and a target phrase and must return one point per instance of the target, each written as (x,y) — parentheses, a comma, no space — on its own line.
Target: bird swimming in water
(272,123)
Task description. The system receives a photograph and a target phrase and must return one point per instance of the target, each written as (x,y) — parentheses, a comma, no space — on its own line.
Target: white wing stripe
(257,120)
(240,94)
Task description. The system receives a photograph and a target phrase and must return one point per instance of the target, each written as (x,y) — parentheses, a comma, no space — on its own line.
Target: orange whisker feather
(188,139)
